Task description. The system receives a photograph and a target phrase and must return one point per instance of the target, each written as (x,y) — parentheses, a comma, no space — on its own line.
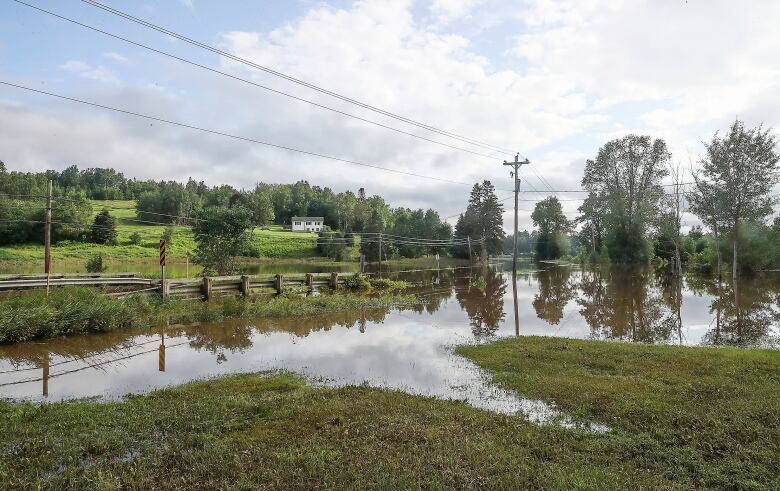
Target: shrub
(357,282)
(135,238)
(95,264)
(388,284)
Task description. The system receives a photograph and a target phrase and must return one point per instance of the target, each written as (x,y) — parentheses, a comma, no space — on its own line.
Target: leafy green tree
(222,235)
(737,175)
(95,264)
(104,228)
(135,238)
(553,228)
(624,183)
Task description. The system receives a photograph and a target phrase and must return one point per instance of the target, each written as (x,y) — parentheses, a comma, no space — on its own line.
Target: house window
(297,223)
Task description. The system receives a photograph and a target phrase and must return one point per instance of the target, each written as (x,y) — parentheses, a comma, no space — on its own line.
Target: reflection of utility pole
(47,241)
(516,165)
(46,375)
(517,312)
(161,360)
(362,321)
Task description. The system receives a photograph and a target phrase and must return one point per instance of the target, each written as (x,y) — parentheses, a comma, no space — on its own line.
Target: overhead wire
(232,136)
(290,78)
(258,85)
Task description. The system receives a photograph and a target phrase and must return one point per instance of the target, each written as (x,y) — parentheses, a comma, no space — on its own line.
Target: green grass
(72,310)
(681,418)
(703,416)
(267,242)
(255,431)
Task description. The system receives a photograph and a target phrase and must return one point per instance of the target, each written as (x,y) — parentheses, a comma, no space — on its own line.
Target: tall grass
(75,310)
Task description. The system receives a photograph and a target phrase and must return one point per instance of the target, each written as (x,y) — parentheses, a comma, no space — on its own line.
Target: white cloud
(85,70)
(115,57)
(579,73)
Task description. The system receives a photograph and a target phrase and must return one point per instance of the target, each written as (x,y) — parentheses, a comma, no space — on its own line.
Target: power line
(290,78)
(236,137)
(261,86)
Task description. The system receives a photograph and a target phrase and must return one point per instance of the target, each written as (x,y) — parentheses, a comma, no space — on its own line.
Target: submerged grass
(707,416)
(73,310)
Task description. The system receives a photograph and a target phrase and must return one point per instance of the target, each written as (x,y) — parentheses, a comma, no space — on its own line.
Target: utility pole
(380,253)
(47,240)
(470,259)
(515,174)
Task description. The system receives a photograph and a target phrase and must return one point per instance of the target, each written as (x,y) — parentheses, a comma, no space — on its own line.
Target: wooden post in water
(161,354)
(310,281)
(334,281)
(279,284)
(207,284)
(245,288)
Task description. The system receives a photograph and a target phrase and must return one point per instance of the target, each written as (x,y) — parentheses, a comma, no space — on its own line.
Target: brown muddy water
(410,347)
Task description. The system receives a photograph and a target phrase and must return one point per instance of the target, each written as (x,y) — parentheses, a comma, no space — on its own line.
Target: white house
(307,224)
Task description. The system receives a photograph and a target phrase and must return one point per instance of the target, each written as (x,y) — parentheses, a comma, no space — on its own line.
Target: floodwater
(410,347)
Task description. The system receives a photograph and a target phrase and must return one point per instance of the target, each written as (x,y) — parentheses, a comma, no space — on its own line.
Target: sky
(553,80)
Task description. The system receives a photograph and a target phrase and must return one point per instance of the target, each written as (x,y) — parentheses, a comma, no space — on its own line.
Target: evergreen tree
(483,221)
(104,228)
(369,245)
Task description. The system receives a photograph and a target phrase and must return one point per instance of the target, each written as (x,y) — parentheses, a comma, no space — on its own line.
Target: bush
(135,238)
(388,284)
(95,264)
(357,282)
(104,228)
(168,234)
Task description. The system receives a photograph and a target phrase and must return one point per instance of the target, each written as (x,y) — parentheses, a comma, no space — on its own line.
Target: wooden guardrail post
(207,287)
(310,281)
(334,280)
(279,284)
(245,285)
(165,288)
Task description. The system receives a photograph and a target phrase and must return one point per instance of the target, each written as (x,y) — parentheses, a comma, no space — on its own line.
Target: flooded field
(409,347)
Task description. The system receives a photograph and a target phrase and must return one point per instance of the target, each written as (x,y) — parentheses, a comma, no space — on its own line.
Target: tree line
(630,216)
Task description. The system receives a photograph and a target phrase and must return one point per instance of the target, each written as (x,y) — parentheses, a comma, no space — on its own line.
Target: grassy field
(681,418)
(268,242)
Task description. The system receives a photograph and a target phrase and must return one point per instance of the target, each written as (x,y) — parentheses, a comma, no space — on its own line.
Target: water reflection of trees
(627,304)
(646,305)
(482,297)
(743,313)
(556,289)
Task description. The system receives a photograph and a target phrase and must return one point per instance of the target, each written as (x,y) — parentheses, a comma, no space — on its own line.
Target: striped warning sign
(162,252)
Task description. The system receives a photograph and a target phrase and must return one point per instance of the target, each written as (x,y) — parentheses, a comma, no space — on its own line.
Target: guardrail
(205,288)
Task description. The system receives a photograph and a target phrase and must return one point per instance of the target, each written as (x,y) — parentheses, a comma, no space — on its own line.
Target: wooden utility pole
(470,259)
(380,253)
(47,240)
(515,174)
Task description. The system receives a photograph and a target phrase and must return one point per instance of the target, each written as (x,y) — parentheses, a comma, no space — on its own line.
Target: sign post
(164,290)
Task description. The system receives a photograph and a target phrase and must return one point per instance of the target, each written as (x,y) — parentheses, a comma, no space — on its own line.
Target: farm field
(271,243)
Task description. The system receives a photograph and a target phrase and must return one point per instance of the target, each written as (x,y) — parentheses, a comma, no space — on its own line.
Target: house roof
(310,219)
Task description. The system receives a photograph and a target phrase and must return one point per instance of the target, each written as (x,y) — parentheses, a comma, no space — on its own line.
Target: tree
(737,175)
(670,220)
(369,245)
(625,178)
(104,228)
(553,226)
(483,221)
(221,236)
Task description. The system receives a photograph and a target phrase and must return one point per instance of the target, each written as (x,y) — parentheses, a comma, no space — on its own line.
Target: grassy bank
(702,416)
(270,243)
(70,311)
(681,418)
